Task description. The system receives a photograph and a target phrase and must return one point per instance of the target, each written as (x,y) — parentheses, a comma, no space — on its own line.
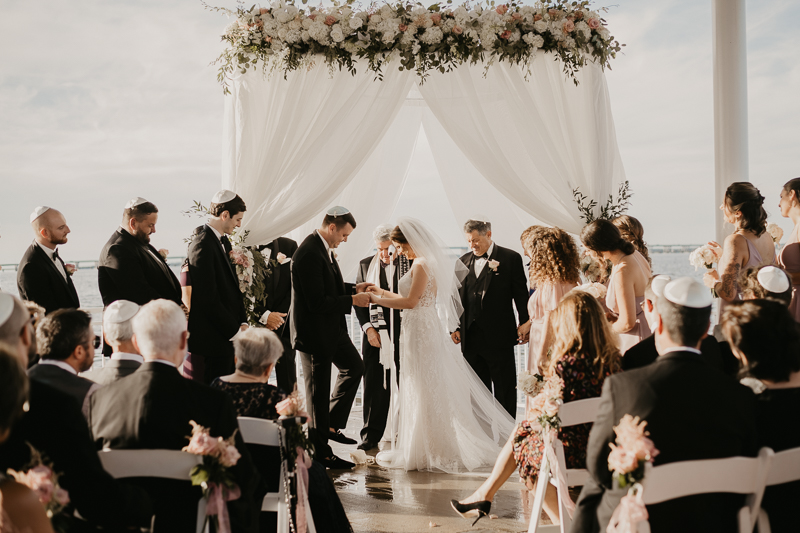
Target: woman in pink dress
(748,246)
(629,277)
(554,271)
(789,258)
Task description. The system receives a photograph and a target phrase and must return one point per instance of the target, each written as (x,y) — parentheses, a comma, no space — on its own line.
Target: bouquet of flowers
(218,484)
(598,290)
(775,231)
(594,271)
(630,453)
(296,438)
(530,384)
(705,256)
(544,407)
(42,480)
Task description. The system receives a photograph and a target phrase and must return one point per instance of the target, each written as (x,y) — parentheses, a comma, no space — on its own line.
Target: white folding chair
(738,475)
(163,464)
(571,414)
(785,467)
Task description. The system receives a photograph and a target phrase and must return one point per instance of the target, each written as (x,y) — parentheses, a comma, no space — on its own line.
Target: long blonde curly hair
(553,254)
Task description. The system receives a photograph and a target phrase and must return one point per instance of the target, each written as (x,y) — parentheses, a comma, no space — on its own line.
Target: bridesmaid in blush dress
(789,258)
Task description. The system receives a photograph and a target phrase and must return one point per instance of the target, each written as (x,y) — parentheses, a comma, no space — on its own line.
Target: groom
(488,332)
(320,301)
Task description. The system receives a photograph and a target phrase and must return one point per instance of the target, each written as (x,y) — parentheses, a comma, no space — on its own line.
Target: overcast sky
(104,100)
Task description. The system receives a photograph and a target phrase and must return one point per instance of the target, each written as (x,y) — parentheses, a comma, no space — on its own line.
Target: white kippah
(773,279)
(133,202)
(687,293)
(39,211)
(337,211)
(120,311)
(658,284)
(223,196)
(6,307)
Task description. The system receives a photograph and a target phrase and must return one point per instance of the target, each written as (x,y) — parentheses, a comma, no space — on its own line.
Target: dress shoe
(367,445)
(336,463)
(469,510)
(341,438)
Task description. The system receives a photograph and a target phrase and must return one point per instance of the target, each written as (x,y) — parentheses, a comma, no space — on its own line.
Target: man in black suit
(378,323)
(65,340)
(152,408)
(693,411)
(130,268)
(54,426)
(118,332)
(494,285)
(42,276)
(279,254)
(217,312)
(320,301)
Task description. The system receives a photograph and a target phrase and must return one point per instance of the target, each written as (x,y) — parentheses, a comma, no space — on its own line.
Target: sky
(103,100)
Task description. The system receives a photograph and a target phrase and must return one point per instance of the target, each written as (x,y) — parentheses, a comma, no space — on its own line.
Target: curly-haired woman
(632,231)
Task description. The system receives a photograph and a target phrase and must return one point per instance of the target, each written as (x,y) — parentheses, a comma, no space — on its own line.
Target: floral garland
(439,37)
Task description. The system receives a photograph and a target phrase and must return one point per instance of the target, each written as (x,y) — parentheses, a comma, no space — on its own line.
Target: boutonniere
(493,265)
(163,252)
(282,259)
(335,255)
(70,268)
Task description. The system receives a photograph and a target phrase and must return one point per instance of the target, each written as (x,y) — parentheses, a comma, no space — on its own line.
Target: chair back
(785,468)
(259,431)
(579,412)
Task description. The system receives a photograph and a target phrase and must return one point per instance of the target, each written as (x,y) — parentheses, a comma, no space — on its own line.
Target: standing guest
(632,231)
(380,325)
(629,276)
(130,268)
(766,339)
(66,344)
(320,301)
(118,332)
(42,276)
(721,421)
(217,307)
(748,246)
(152,408)
(758,283)
(279,298)
(494,286)
(789,258)
(554,271)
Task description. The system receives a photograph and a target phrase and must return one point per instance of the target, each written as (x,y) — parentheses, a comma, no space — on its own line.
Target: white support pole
(730,101)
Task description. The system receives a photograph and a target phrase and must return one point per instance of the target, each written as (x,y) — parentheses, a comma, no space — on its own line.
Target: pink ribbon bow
(218,495)
(629,512)
(303,463)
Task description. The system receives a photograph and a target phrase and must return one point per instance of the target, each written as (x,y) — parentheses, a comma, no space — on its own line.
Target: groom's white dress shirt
(480,262)
(327,246)
(50,254)
(219,238)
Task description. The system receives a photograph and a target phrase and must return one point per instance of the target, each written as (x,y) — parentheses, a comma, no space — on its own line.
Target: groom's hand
(361,287)
(456,336)
(373,338)
(361,299)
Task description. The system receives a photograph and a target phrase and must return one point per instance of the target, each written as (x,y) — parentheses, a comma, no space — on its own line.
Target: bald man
(42,276)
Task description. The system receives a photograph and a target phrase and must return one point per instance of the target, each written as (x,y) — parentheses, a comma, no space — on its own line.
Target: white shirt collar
(680,349)
(123,356)
(47,250)
(327,246)
(163,362)
(60,364)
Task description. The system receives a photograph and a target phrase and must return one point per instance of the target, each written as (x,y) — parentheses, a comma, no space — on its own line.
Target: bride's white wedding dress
(448,421)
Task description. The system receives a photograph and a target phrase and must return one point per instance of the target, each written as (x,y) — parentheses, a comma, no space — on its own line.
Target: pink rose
(644,449)
(61,496)
(537,17)
(201,442)
(163,252)
(264,10)
(517,16)
(505,35)
(402,27)
(458,30)
(287,407)
(568,26)
(553,12)
(436,18)
(551,407)
(70,268)
(268,39)
(228,454)
(578,15)
(40,480)
(620,461)
(312,16)
(501,9)
(593,23)
(330,20)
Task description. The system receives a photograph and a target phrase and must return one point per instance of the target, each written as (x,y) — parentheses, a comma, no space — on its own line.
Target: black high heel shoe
(468,510)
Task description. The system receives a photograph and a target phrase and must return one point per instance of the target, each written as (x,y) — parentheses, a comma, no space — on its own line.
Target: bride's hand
(374,298)
(374,289)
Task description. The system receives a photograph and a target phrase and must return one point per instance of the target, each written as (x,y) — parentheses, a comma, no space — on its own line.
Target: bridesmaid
(789,258)
(629,277)
(748,246)
(632,231)
(554,271)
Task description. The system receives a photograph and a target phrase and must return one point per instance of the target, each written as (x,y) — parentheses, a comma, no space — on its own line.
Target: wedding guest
(494,286)
(279,298)
(257,351)
(118,332)
(217,307)
(789,258)
(554,271)
(20,509)
(632,231)
(584,355)
(721,419)
(192,367)
(130,268)
(758,283)
(186,285)
(629,277)
(42,276)
(379,324)
(765,337)
(66,344)
(99,498)
(152,408)
(37,313)
(748,246)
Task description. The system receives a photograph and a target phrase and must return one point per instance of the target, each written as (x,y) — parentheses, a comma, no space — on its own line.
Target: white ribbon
(629,512)
(556,472)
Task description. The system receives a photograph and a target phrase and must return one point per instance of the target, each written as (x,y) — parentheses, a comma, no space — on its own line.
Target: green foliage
(612,208)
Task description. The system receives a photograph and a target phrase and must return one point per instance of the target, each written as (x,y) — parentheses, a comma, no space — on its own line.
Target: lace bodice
(428,298)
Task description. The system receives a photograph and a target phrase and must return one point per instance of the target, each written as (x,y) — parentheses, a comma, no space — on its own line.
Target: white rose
(282,16)
(337,34)
(536,41)
(307,23)
(604,33)
(292,11)
(432,36)
(356,23)
(540,26)
(375,19)
(295,25)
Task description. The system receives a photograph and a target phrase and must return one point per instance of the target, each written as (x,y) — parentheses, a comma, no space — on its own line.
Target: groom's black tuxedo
(488,326)
(320,301)
(693,411)
(38,280)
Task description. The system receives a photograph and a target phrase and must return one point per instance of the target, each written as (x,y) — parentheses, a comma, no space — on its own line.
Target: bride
(449,421)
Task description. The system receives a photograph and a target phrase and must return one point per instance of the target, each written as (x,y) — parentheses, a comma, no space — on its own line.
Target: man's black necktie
(226,244)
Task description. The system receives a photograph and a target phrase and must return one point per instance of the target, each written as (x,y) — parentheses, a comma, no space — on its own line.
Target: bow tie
(55,255)
(484,256)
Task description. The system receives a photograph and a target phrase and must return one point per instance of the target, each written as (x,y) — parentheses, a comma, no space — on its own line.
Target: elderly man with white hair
(381,341)
(152,409)
(118,332)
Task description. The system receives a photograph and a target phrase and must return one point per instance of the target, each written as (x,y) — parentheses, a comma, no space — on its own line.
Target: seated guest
(118,332)
(256,352)
(152,408)
(769,281)
(766,339)
(645,352)
(584,354)
(693,411)
(65,341)
(99,498)
(37,314)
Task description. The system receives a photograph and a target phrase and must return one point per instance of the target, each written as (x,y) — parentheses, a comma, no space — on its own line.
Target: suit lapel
(53,268)
(225,258)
